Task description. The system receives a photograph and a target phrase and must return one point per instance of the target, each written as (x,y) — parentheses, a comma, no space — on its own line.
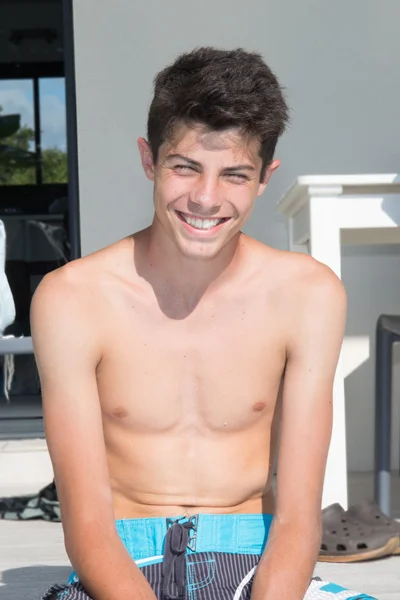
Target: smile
(199,223)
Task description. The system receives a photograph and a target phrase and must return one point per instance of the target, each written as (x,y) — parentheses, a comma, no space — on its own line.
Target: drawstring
(176,542)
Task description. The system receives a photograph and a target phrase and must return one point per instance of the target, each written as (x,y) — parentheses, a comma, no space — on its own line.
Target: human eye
(183,169)
(238,177)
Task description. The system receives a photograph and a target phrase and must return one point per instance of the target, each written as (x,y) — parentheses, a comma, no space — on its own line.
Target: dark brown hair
(219,89)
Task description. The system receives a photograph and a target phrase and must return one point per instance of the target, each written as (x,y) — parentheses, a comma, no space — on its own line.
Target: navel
(259,406)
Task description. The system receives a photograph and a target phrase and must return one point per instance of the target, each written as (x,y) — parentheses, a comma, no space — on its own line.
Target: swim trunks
(203,557)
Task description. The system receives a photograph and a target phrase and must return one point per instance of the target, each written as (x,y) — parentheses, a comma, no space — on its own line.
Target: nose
(205,199)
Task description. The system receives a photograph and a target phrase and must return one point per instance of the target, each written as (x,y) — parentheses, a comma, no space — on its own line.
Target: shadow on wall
(391,207)
(360,412)
(30,583)
(371,287)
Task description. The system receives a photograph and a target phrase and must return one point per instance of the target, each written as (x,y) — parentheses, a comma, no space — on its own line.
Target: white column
(293,245)
(325,247)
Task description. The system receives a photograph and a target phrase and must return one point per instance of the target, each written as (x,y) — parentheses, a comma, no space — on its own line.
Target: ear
(268,172)
(146,156)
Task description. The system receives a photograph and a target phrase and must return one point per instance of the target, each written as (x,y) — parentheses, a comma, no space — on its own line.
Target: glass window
(17,133)
(53,130)
(32,151)
(21,161)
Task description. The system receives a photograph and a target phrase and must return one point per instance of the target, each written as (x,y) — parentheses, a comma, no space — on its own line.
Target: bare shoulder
(69,312)
(309,303)
(311,280)
(60,314)
(298,278)
(79,283)
(65,288)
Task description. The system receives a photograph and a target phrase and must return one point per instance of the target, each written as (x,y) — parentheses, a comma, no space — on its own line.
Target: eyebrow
(195,163)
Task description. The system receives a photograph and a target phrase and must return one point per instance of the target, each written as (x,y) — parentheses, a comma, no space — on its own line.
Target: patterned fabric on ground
(43,505)
(211,576)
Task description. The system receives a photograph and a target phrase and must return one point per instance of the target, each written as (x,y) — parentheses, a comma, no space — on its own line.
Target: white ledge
(16,345)
(336,185)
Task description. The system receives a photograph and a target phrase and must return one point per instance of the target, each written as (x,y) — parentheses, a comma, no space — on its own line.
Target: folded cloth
(7,306)
(43,505)
(7,311)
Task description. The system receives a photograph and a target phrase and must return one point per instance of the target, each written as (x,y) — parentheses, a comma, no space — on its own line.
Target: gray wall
(339,62)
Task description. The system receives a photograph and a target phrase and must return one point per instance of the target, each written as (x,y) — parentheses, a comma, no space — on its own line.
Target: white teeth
(200,223)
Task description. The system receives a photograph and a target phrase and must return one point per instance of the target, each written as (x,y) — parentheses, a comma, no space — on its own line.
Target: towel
(7,311)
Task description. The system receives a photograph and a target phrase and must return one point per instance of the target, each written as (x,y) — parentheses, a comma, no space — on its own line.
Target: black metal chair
(387,334)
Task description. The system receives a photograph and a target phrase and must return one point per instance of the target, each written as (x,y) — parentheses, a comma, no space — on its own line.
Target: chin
(199,253)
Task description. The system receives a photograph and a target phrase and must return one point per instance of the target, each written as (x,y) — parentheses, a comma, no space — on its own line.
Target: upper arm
(316,328)
(67,351)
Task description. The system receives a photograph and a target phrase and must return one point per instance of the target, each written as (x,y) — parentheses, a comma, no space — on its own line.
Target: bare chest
(218,369)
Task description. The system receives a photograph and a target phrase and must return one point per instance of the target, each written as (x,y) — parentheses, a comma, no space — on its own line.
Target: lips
(200,223)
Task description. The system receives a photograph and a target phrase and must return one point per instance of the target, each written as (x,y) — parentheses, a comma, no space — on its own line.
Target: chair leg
(383,409)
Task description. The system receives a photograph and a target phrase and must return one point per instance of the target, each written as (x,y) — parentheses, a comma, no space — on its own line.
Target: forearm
(287,566)
(106,570)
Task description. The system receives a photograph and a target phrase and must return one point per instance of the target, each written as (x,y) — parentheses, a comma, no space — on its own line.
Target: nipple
(120,412)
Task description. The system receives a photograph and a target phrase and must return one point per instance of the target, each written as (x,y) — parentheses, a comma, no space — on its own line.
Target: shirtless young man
(170,360)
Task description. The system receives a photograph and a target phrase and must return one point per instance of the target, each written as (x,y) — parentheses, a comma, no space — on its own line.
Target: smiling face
(205,185)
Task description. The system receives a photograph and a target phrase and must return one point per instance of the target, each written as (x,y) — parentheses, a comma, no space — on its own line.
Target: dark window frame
(31,70)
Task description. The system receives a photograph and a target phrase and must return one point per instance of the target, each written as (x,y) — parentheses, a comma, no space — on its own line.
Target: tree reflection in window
(22,160)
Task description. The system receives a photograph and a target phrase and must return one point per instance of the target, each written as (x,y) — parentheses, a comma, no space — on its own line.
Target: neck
(179,282)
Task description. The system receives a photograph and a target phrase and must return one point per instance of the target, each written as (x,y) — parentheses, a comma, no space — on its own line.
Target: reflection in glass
(53,130)
(36,244)
(35,216)
(17,135)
